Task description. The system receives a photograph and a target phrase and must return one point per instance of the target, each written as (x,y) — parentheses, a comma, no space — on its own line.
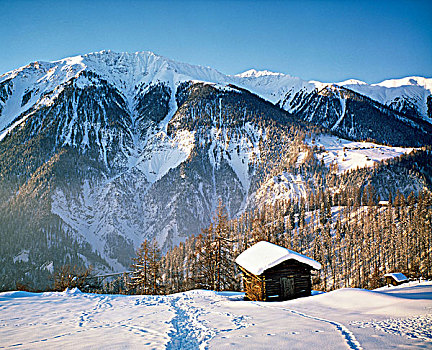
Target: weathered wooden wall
(290,268)
(268,285)
(253,286)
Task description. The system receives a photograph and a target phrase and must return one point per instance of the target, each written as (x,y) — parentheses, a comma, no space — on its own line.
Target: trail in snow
(77,320)
(188,332)
(417,327)
(193,325)
(348,336)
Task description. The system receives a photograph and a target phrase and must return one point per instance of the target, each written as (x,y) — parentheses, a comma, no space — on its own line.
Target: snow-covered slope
(272,86)
(282,187)
(350,155)
(343,107)
(410,93)
(343,319)
(337,154)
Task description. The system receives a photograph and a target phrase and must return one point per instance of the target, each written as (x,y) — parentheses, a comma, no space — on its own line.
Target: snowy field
(395,317)
(349,155)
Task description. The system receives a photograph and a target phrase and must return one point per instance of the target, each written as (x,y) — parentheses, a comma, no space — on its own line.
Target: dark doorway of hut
(287,287)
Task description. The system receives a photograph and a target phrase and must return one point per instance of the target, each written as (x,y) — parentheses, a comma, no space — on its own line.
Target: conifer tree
(146,274)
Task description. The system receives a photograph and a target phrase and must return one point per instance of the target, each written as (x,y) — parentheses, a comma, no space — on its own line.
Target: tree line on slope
(356,244)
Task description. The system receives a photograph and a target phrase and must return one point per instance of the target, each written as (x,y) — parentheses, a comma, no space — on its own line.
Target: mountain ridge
(148,68)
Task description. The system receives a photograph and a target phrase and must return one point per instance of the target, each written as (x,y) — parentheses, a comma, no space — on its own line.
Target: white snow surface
(386,318)
(282,187)
(166,153)
(22,256)
(264,255)
(348,155)
(398,276)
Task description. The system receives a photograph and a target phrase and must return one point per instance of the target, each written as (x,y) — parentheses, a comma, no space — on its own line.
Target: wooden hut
(395,278)
(271,272)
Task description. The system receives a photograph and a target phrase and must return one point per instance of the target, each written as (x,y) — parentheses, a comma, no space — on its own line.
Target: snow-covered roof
(398,276)
(264,255)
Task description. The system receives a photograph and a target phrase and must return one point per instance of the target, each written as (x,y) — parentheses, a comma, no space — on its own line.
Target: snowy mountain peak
(253,73)
(120,69)
(351,82)
(426,83)
(142,67)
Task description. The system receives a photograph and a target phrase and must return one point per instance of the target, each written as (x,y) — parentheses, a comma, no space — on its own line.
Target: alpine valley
(101,151)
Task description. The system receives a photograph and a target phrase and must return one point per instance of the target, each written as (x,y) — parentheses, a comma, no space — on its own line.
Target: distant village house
(271,272)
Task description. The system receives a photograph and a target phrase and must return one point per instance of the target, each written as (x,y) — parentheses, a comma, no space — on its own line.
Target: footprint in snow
(376,335)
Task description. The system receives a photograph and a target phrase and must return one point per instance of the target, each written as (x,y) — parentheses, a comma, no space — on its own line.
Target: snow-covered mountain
(100,151)
(128,72)
(342,106)
(28,86)
(410,95)
(404,95)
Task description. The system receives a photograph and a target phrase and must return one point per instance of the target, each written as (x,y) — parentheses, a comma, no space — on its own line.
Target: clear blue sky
(322,40)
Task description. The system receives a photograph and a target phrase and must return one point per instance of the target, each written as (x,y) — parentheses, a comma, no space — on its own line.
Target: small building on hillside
(395,278)
(271,272)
